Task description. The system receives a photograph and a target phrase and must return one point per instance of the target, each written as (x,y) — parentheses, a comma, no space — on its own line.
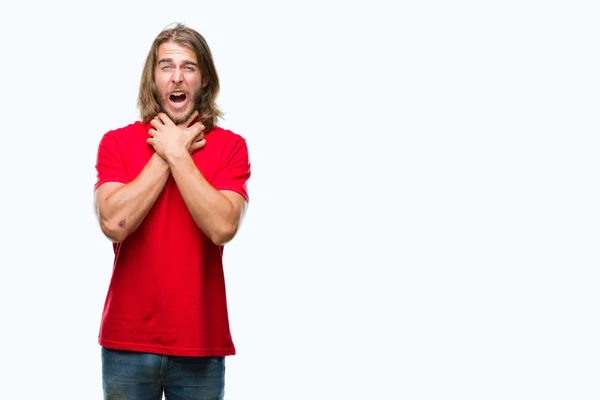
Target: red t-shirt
(167,290)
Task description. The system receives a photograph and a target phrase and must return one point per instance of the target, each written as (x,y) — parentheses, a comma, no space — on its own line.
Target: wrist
(175,157)
(158,160)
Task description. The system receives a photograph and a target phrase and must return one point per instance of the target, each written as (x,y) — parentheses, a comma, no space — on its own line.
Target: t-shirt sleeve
(109,162)
(235,169)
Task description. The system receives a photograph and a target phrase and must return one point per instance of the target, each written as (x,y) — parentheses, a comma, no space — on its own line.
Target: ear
(204,83)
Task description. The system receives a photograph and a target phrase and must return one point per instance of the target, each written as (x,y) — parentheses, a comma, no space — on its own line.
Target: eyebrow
(170,60)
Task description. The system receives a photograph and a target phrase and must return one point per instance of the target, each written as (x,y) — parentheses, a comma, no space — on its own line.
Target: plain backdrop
(424,215)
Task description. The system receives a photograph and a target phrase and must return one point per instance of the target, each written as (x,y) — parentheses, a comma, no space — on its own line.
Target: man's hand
(170,140)
(198,143)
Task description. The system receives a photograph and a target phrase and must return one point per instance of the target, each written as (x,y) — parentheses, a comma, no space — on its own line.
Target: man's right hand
(199,140)
(198,143)
(171,141)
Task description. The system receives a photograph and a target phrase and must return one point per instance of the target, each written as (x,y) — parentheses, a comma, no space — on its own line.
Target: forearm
(125,208)
(211,210)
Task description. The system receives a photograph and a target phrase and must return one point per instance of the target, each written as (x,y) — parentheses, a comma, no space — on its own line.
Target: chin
(176,114)
(178,119)
(180,116)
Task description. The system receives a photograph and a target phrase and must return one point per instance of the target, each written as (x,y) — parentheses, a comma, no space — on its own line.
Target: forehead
(176,52)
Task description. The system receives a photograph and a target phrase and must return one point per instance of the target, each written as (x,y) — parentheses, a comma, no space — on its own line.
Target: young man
(171,191)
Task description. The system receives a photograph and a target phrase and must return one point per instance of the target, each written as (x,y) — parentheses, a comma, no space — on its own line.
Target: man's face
(178,81)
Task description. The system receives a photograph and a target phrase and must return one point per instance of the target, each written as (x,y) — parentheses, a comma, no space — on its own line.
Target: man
(171,191)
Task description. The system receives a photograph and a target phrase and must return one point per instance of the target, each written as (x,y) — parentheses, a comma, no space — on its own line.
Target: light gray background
(424,200)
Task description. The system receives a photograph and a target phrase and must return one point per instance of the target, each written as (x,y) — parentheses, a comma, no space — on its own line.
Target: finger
(196,130)
(198,138)
(152,132)
(165,119)
(150,141)
(191,118)
(156,122)
(197,145)
(198,126)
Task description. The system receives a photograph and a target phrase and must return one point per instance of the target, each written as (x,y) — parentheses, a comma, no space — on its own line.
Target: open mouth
(178,97)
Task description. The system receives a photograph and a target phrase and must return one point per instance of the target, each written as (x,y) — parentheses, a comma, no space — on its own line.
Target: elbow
(112,231)
(224,235)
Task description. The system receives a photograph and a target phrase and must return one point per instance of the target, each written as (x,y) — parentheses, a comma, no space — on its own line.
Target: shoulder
(229,142)
(128,131)
(225,135)
(125,136)
(226,145)
(226,140)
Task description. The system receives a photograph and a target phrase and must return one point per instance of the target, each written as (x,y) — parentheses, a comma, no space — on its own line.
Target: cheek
(161,82)
(195,82)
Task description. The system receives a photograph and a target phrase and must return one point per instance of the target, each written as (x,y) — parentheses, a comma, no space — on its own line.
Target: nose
(177,76)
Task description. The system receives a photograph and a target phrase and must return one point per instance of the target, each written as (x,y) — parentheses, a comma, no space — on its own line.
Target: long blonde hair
(148,103)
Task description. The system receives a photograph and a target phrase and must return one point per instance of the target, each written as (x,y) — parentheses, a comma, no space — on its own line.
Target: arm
(217,213)
(121,208)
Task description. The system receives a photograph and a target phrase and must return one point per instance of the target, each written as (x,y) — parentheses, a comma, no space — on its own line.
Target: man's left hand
(170,140)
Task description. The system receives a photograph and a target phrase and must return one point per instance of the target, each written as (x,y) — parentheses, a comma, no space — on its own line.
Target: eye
(189,68)
(165,67)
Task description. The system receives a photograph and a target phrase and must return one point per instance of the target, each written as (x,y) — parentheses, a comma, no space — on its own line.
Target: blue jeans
(128,375)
